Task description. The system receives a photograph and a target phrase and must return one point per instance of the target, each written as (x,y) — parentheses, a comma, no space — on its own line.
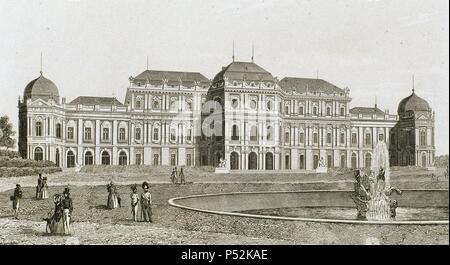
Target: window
(253,133)
(106,159)
(70,159)
(302,137)
(173,160)
(235,133)
(314,110)
(315,138)
(189,135)
(287,161)
(122,135)
(122,158)
(269,105)
(380,137)
(354,139)
(156,159)
(286,109)
(342,111)
(368,139)
(38,154)
(138,104)
(105,134)
(423,139)
(287,139)
(234,103)
(38,128)
(253,104)
(302,162)
(173,134)
(156,104)
(329,161)
(69,133)
(138,159)
(342,138)
(155,134)
(173,104)
(367,160)
(188,160)
(269,133)
(58,130)
(88,158)
(137,134)
(328,111)
(88,134)
(188,105)
(300,110)
(328,138)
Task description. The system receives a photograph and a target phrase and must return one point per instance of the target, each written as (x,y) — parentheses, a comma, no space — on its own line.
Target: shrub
(26,171)
(9,153)
(19,162)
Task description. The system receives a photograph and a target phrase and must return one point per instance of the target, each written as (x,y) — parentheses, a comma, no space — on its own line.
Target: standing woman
(16,200)
(44,189)
(146,203)
(56,221)
(113,201)
(67,211)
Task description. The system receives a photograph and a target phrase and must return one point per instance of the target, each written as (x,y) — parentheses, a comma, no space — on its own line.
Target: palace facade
(244,115)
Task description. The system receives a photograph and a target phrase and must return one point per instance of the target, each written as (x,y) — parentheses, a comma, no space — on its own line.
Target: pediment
(39,103)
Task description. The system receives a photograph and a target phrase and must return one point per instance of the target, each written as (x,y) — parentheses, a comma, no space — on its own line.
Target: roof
(104,101)
(367,111)
(301,85)
(413,103)
(155,77)
(243,70)
(41,87)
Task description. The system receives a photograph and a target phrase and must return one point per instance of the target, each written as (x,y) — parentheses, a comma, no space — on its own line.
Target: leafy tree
(6,133)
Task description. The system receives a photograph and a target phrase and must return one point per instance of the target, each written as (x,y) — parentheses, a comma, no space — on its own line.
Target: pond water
(346,213)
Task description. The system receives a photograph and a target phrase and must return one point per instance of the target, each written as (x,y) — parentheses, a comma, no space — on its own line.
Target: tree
(6,133)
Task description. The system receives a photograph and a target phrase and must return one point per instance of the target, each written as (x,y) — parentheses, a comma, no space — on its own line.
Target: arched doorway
(368,160)
(234,161)
(424,160)
(57,157)
(106,159)
(354,161)
(70,159)
(269,161)
(38,154)
(88,158)
(122,158)
(252,161)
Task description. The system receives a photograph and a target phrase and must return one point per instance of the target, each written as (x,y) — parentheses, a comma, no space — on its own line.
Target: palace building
(243,115)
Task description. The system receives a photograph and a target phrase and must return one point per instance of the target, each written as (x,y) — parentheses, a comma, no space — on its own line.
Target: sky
(92,47)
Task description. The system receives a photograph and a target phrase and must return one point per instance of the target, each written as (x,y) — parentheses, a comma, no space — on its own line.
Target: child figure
(134,202)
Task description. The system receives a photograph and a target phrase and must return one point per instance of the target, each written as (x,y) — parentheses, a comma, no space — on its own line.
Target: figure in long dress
(16,200)
(134,196)
(182,177)
(173,175)
(44,188)
(67,211)
(55,222)
(113,198)
(39,187)
(146,203)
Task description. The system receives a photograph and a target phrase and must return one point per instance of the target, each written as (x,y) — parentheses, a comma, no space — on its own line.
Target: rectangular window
(287,138)
(155,134)
(105,134)
(156,159)
(122,134)
(69,133)
(342,138)
(38,128)
(300,110)
(188,160)
(315,138)
(173,160)
(138,159)
(189,135)
(302,162)
(302,137)
(328,138)
(368,140)
(173,135)
(354,139)
(342,111)
(58,131)
(137,134)
(88,134)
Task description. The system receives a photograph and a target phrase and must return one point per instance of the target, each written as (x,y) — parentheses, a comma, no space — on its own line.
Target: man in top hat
(16,200)
(146,203)
(67,210)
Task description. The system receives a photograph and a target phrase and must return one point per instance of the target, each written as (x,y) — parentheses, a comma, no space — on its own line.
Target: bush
(26,171)
(9,153)
(441,161)
(19,162)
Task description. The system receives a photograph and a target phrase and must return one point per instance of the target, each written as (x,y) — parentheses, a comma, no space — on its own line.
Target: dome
(41,87)
(413,103)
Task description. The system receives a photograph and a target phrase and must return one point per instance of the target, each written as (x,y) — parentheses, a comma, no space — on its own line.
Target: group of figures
(372,196)
(59,221)
(42,188)
(145,200)
(175,175)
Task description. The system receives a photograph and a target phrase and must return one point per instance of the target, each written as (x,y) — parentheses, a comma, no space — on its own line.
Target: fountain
(372,192)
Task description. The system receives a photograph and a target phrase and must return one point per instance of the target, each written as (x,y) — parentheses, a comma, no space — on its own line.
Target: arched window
(88,158)
(252,161)
(234,161)
(301,137)
(122,158)
(235,133)
(269,161)
(328,111)
(367,160)
(156,159)
(423,138)
(269,133)
(106,158)
(38,154)
(329,138)
(58,130)
(70,159)
(38,128)
(253,133)
(287,138)
(138,104)
(57,157)
(342,111)
(301,110)
(354,161)
(314,110)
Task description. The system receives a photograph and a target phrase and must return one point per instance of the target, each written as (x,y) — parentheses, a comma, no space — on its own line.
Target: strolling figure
(16,200)
(146,203)
(173,175)
(113,197)
(134,202)
(39,187)
(67,211)
(55,223)
(182,178)
(44,189)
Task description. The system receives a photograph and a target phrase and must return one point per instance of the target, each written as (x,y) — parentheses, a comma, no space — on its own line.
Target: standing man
(39,187)
(134,202)
(67,211)
(16,200)
(182,178)
(146,203)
